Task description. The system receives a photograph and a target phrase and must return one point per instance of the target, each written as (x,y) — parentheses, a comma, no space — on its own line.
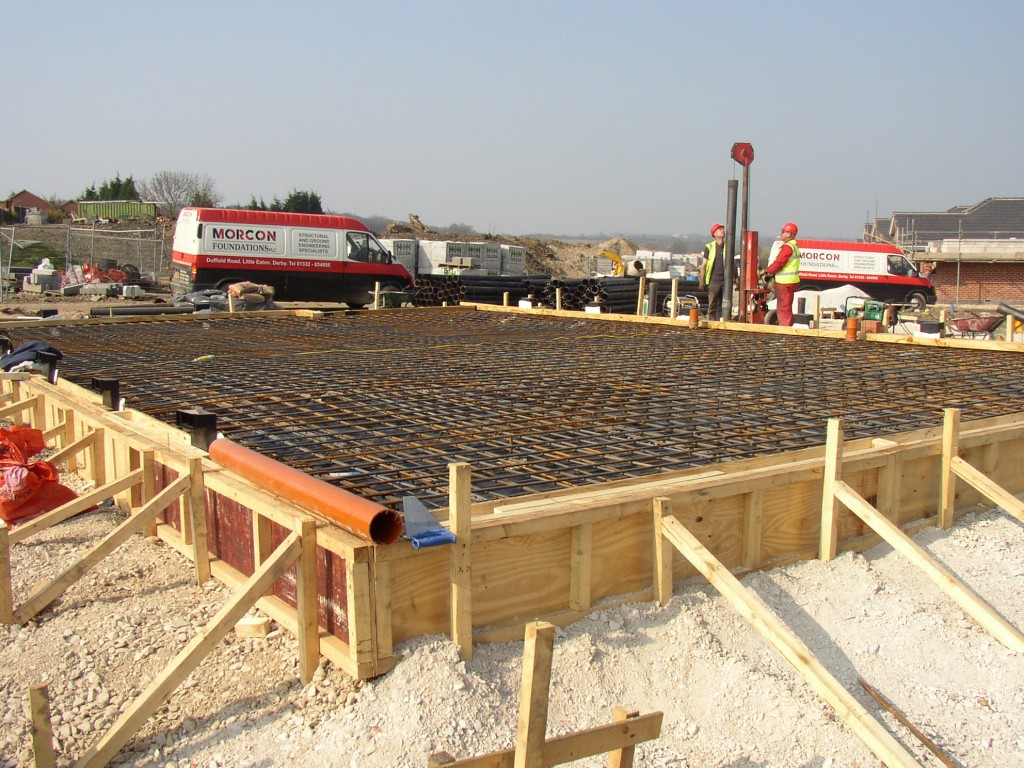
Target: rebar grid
(380,403)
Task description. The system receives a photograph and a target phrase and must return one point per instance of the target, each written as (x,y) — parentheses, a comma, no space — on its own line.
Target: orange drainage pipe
(355,514)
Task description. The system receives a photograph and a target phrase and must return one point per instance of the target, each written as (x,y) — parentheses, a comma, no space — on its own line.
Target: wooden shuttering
(555,556)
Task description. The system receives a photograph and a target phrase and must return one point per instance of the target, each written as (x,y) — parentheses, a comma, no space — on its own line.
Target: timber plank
(581,567)
(6,593)
(663,554)
(950,449)
(74,507)
(379,597)
(42,729)
(829,506)
(461,563)
(577,746)
(360,612)
(753,524)
(195,512)
(307,603)
(71,449)
(19,407)
(533,695)
(993,492)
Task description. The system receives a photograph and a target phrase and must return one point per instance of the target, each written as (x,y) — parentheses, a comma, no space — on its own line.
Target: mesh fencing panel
(149,250)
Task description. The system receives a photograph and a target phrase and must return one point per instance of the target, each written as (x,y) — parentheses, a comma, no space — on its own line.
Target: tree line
(174,190)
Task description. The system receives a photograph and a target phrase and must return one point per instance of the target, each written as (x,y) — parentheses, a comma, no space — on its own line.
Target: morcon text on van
(881,271)
(304,256)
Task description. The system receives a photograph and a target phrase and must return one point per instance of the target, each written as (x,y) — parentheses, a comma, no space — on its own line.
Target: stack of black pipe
(612,294)
(573,293)
(616,294)
(491,289)
(437,290)
(535,285)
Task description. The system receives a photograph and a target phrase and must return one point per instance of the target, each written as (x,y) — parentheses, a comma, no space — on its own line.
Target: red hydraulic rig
(754,294)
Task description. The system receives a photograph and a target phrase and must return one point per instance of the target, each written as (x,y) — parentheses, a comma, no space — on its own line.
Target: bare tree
(173,190)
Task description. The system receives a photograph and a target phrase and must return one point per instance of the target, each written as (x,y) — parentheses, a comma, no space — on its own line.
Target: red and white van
(881,271)
(304,256)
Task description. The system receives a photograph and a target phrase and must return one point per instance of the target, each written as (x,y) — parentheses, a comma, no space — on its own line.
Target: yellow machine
(619,266)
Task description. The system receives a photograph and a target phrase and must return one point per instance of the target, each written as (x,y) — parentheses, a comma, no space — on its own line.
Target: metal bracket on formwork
(421,527)
(201,423)
(110,391)
(51,361)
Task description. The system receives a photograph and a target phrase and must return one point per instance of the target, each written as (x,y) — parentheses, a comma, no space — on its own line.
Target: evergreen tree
(112,189)
(298,201)
(301,201)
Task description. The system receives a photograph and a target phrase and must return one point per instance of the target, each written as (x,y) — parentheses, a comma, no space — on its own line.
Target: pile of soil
(543,257)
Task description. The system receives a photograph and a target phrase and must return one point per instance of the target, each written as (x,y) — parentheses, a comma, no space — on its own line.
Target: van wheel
(917,300)
(223,284)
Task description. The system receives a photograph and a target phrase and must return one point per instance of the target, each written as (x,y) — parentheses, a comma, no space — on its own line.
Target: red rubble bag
(27,488)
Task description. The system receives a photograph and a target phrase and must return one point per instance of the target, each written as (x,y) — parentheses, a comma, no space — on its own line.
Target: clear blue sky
(533,116)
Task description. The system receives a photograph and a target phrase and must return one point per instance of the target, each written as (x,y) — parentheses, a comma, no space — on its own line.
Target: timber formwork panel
(624,542)
(229,527)
(531,572)
(787,523)
(918,489)
(129,440)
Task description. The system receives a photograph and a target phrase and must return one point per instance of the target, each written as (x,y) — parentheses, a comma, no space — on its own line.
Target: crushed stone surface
(728,699)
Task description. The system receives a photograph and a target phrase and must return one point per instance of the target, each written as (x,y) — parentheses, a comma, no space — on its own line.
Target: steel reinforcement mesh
(380,403)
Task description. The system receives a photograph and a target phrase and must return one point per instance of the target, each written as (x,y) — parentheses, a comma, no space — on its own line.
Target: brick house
(70,209)
(23,202)
(972,253)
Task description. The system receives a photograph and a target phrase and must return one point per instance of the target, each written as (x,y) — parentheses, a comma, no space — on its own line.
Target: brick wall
(980,283)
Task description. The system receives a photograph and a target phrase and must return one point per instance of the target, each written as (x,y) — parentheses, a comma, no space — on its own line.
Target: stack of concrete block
(513,260)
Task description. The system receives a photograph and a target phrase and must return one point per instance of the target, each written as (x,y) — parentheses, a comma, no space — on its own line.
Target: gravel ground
(728,699)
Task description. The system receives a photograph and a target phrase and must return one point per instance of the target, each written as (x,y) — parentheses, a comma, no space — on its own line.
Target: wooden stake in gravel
(42,731)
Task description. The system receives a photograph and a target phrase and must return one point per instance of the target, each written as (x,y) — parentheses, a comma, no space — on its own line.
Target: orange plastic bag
(27,488)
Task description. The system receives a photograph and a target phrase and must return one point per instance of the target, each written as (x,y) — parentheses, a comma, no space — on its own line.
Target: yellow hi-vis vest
(712,255)
(790,272)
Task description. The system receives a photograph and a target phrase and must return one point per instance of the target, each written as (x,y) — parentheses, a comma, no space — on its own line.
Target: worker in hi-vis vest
(786,272)
(712,272)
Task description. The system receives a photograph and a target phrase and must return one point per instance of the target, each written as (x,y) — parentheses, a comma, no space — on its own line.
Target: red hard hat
(790,227)
(715,227)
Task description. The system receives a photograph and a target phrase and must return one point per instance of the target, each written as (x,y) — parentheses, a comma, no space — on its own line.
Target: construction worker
(712,273)
(785,270)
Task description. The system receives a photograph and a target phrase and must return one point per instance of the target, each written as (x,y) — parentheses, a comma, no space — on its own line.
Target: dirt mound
(543,257)
(619,245)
